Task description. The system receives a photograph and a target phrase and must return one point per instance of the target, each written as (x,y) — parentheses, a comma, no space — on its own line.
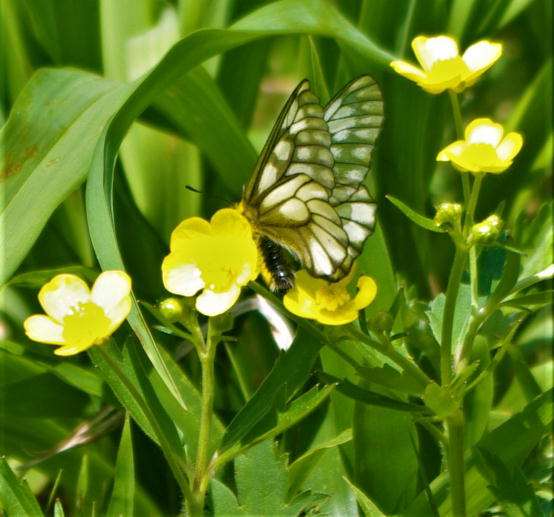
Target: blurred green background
(202,123)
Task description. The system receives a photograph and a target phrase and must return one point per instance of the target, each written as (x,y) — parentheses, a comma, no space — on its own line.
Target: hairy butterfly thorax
(306,195)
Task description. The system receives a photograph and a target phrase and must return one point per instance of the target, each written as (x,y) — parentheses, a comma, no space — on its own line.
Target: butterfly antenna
(198,191)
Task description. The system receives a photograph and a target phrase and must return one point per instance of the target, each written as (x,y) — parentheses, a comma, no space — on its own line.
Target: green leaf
(123,494)
(298,409)
(415,217)
(376,261)
(541,298)
(372,398)
(44,166)
(327,477)
(29,390)
(36,279)
(462,314)
(288,374)
(187,422)
(223,500)
(391,378)
(128,398)
(273,425)
(390,480)
(508,485)
(530,425)
(300,469)
(538,241)
(261,479)
(84,501)
(67,32)
(440,400)
(478,403)
(369,508)
(15,496)
(58,509)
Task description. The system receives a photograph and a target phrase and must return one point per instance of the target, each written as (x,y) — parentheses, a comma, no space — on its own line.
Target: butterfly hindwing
(354,117)
(305,193)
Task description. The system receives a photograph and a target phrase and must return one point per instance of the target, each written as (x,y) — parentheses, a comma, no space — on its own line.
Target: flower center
(332,296)
(85,325)
(448,69)
(480,154)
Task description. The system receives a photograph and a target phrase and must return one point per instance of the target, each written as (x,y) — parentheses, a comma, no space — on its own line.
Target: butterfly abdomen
(281,277)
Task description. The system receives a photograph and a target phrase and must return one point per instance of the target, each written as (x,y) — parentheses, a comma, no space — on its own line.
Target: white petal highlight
(62,295)
(43,329)
(185,280)
(484,133)
(118,313)
(211,303)
(510,146)
(482,55)
(430,50)
(110,288)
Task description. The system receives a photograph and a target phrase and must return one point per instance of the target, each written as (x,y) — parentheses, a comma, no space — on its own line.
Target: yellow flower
(484,149)
(443,68)
(326,302)
(78,317)
(216,257)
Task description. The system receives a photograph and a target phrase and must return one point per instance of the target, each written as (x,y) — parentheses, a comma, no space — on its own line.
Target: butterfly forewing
(305,193)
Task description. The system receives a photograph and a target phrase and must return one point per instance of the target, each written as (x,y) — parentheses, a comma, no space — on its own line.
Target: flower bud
(485,232)
(171,309)
(448,215)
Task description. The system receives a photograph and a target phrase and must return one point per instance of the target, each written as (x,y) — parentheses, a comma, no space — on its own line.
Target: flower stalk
(459,125)
(473,273)
(455,458)
(206,349)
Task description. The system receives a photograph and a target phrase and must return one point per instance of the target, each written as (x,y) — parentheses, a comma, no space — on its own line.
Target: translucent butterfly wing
(354,118)
(287,198)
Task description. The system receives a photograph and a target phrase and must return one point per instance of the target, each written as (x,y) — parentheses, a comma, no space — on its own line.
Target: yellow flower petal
(187,230)
(480,56)
(109,291)
(62,295)
(44,329)
(510,146)
(484,131)
(327,302)
(407,70)
(429,50)
(70,350)
(343,316)
(219,256)
(454,149)
(367,292)
(230,221)
(211,303)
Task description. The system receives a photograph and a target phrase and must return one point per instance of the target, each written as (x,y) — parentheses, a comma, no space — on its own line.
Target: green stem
(448,314)
(455,457)
(201,475)
(474,274)
(472,204)
(458,123)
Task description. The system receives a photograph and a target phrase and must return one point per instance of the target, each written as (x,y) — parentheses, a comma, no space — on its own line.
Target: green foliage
(110,109)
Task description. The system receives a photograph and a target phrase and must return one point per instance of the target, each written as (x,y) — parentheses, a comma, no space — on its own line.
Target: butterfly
(306,194)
